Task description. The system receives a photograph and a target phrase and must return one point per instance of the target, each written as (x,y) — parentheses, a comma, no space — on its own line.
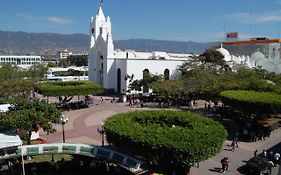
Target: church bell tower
(101,48)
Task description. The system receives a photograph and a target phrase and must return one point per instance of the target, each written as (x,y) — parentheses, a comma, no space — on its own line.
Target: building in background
(109,67)
(20,61)
(256,52)
(63,54)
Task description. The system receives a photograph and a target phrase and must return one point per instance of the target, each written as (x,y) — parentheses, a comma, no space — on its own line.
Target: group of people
(274,157)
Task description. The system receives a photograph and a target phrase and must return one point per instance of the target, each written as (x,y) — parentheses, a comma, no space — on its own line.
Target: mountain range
(23,42)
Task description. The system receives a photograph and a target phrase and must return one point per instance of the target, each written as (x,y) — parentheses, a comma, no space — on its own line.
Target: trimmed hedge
(162,136)
(252,101)
(69,88)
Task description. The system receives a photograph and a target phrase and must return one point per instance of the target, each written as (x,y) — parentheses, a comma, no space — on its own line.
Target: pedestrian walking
(256,153)
(269,167)
(276,158)
(234,144)
(224,164)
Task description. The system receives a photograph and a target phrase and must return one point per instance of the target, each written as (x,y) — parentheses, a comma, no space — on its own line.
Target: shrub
(252,101)
(70,88)
(166,137)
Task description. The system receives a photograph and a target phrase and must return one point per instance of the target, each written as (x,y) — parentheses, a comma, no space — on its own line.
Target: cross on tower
(101,1)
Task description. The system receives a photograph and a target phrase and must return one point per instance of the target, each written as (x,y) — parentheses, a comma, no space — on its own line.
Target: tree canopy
(30,115)
(17,82)
(206,75)
(74,60)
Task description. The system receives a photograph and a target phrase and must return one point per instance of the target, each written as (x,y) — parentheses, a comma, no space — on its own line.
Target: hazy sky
(184,20)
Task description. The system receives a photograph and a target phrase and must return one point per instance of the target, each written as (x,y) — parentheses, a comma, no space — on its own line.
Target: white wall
(136,67)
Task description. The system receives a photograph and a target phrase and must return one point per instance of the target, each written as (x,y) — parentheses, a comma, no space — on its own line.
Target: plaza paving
(83,124)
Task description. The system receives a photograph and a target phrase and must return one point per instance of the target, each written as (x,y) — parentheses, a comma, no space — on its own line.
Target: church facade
(109,67)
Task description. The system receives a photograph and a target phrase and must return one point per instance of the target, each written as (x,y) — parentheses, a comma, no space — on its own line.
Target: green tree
(52,64)
(64,63)
(74,60)
(13,83)
(170,89)
(30,115)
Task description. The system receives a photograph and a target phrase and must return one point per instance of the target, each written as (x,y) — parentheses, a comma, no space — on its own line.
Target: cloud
(49,19)
(274,16)
(57,20)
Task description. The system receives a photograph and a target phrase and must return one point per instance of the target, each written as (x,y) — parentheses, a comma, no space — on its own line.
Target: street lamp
(22,160)
(101,131)
(63,121)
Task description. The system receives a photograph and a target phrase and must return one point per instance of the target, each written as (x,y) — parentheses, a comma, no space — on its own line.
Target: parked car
(257,165)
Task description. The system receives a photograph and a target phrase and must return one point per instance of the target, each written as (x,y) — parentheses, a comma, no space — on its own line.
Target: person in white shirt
(276,158)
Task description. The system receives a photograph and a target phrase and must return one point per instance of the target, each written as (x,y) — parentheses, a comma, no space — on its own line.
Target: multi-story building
(254,53)
(20,61)
(269,47)
(63,54)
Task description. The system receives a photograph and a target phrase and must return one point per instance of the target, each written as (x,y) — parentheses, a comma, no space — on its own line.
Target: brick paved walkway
(83,124)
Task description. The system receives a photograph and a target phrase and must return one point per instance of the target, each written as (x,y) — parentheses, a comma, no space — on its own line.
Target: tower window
(93,30)
(100,30)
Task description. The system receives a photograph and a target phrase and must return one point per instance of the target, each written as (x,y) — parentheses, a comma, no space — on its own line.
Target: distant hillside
(160,45)
(51,42)
(22,41)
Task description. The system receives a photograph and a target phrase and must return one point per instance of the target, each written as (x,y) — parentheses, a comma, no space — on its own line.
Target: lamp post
(22,160)
(63,121)
(101,131)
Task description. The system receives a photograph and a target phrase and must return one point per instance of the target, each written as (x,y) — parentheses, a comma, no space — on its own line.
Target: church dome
(257,55)
(225,53)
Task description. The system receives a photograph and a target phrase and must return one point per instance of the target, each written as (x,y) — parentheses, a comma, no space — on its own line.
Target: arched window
(166,74)
(145,76)
(118,81)
(100,30)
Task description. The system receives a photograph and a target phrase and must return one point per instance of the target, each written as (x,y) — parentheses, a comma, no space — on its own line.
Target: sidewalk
(239,157)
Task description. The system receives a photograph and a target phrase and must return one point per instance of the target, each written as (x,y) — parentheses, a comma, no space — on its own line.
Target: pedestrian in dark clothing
(256,153)
(269,167)
(224,163)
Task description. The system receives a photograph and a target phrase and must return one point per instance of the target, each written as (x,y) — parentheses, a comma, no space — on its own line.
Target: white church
(109,67)
(255,60)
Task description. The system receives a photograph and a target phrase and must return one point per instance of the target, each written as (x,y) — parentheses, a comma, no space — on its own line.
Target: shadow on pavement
(216,169)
